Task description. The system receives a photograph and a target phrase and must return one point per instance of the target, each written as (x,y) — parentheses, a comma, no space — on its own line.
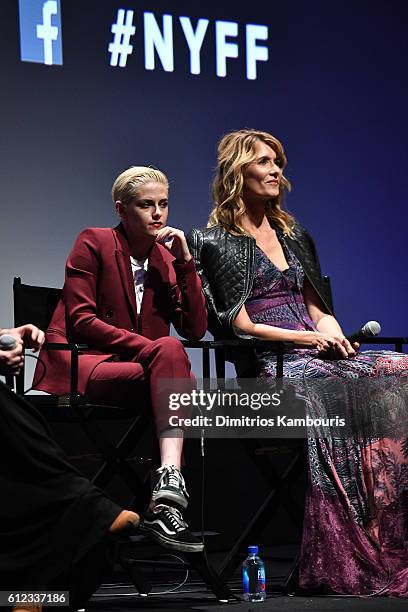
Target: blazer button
(109,314)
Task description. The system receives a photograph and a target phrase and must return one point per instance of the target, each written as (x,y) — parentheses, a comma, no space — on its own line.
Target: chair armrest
(397,341)
(74,349)
(64,346)
(221,345)
(253,343)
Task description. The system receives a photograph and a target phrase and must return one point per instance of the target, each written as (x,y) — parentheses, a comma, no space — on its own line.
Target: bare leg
(171,448)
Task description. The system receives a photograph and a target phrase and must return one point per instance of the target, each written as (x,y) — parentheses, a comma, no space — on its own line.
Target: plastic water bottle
(253,575)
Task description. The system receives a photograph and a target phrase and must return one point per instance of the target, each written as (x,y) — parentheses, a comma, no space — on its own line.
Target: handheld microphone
(7,342)
(370,329)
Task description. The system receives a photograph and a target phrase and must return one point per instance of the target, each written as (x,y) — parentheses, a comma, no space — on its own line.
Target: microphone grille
(371,328)
(7,342)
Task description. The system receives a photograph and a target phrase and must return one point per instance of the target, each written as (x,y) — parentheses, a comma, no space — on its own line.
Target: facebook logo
(40,31)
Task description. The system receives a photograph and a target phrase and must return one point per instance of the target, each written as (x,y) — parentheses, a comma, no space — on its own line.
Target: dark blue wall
(334,91)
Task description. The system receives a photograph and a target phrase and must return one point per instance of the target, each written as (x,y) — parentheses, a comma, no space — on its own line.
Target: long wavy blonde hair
(235,151)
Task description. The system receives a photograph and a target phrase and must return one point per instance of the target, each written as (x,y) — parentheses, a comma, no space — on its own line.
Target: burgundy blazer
(98,306)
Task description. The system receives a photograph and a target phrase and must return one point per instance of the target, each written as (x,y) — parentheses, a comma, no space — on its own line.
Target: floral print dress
(355,535)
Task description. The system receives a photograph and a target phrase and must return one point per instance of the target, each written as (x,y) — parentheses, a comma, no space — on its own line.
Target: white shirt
(139,268)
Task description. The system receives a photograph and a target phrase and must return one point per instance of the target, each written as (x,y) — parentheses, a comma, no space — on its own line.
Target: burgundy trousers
(129,381)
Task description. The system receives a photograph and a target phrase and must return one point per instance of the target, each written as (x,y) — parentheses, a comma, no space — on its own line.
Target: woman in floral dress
(355,538)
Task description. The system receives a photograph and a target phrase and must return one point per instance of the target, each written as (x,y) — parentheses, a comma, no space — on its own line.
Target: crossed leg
(139,380)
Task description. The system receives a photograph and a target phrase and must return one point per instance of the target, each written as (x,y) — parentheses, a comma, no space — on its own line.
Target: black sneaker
(167,526)
(170,487)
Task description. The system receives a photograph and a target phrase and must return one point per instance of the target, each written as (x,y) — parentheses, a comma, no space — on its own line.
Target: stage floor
(203,600)
(121,596)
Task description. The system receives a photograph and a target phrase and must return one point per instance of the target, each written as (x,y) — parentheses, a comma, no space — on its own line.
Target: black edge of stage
(202,600)
(119,595)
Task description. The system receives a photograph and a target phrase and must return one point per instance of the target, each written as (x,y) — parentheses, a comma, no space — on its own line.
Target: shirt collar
(138,264)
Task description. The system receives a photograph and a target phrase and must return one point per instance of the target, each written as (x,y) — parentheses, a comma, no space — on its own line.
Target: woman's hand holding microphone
(329,346)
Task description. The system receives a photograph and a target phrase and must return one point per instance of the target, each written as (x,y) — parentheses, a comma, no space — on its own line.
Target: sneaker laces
(174,478)
(174,516)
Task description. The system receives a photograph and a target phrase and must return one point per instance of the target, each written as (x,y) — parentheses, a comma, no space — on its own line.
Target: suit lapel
(122,256)
(156,260)
(156,285)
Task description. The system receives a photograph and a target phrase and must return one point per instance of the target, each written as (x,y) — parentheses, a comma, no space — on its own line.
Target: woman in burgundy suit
(123,287)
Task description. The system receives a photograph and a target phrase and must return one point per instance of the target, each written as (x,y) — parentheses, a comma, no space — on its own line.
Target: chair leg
(195,561)
(279,482)
(143,586)
(211,578)
(220,363)
(256,524)
(292,579)
(115,457)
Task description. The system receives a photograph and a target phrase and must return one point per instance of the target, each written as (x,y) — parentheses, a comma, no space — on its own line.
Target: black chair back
(34,304)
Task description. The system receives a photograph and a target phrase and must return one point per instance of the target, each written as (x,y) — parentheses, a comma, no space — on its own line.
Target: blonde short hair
(235,151)
(127,183)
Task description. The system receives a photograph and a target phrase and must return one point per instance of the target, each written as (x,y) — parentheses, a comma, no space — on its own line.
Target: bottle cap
(253,550)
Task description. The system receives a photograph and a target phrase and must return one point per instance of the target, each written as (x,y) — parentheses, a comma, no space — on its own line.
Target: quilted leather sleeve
(195,241)
(226,266)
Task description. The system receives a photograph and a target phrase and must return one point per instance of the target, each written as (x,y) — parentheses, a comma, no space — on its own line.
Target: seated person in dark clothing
(53,522)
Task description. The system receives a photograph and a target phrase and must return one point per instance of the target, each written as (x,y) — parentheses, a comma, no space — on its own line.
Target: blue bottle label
(254,579)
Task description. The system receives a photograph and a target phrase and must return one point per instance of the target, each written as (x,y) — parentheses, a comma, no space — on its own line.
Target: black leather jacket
(226,265)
